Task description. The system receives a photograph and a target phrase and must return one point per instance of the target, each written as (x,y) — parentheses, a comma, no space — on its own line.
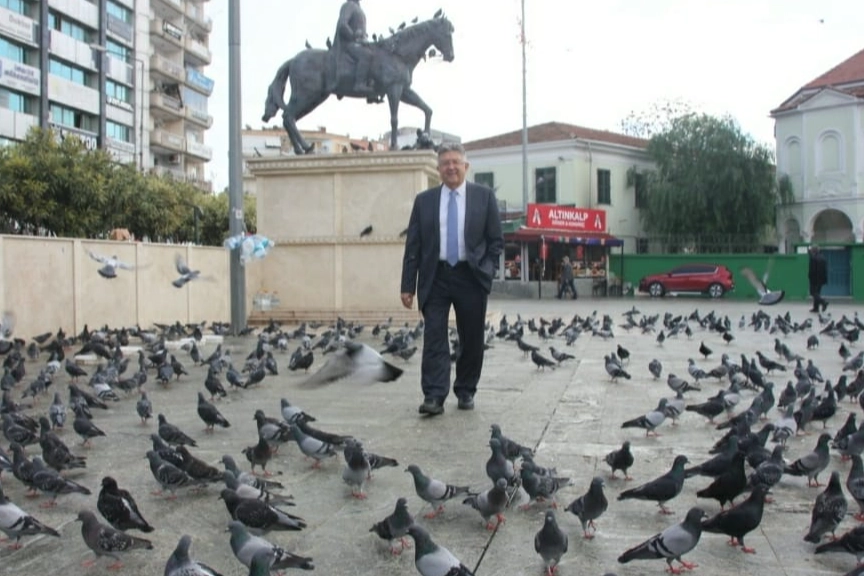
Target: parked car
(711,279)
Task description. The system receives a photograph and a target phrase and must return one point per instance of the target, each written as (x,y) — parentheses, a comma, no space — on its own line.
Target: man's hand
(407,300)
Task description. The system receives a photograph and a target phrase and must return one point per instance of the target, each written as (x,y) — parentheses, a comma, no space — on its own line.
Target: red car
(711,279)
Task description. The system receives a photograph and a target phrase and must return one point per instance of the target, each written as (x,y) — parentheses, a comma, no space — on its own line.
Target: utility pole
(235,169)
(524,117)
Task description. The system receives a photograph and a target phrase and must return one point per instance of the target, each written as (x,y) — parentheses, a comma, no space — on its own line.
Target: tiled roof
(849,71)
(839,78)
(552,132)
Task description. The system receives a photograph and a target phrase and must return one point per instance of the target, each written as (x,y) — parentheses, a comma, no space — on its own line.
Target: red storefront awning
(563,236)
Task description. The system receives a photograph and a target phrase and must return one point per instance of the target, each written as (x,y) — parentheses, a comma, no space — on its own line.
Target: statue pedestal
(314,209)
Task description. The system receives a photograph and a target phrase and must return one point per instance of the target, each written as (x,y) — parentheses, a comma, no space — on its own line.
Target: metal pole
(524,119)
(235,169)
(141,120)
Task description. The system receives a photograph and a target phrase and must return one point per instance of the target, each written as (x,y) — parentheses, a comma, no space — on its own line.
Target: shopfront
(536,250)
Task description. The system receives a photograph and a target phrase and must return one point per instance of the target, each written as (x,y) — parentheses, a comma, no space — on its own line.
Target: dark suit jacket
(483,239)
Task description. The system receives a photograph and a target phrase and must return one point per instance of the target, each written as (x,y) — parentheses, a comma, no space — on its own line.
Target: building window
(118,50)
(61,24)
(485,179)
(118,131)
(11,51)
(604,187)
(120,12)
(13,5)
(73,118)
(66,71)
(193,99)
(641,186)
(14,101)
(118,91)
(545,186)
(642,245)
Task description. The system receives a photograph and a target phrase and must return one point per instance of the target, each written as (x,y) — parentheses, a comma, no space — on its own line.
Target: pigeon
(258,516)
(551,543)
(812,463)
(57,412)
(828,511)
(677,384)
(357,468)
(661,489)
(186,273)
(855,485)
(168,476)
(541,361)
(590,506)
(50,483)
(395,526)
(249,491)
(655,368)
(490,503)
(259,454)
(119,508)
(621,459)
(728,485)
(109,265)
(510,448)
(16,523)
(433,491)
(246,546)
(312,447)
(539,486)
(358,362)
(769,472)
(210,415)
(615,370)
(719,464)
(650,421)
(670,544)
(106,541)
(740,520)
(196,468)
(144,408)
(766,296)
(851,542)
(181,564)
(84,427)
(172,434)
(498,465)
(430,559)
(247,478)
(704,350)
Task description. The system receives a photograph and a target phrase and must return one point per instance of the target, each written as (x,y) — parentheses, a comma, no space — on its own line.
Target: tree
(711,182)
(214,225)
(656,119)
(56,186)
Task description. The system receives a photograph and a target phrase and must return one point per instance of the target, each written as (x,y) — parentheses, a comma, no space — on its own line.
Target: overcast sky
(589,63)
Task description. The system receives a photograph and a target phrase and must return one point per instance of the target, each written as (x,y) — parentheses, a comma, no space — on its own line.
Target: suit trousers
(816,293)
(453,286)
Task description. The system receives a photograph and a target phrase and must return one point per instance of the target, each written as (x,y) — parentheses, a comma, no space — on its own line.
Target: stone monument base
(318,211)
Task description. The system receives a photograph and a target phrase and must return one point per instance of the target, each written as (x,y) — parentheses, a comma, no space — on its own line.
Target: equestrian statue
(354,67)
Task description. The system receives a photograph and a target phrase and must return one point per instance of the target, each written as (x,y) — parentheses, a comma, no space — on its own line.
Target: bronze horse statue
(313,78)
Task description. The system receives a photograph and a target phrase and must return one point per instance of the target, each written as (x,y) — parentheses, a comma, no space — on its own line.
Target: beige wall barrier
(51,283)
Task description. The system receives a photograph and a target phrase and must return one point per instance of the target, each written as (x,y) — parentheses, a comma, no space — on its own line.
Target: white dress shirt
(442,213)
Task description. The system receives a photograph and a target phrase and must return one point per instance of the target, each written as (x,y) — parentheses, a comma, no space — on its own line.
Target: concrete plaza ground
(571,415)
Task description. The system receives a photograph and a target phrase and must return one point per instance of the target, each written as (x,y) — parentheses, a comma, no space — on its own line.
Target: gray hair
(445,147)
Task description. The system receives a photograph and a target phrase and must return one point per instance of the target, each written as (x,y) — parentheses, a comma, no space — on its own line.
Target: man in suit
(817,274)
(451,251)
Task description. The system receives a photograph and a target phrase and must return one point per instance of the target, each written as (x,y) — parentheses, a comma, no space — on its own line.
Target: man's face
(452,168)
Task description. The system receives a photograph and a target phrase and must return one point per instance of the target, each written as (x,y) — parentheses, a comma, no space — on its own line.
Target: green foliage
(710,180)
(52,186)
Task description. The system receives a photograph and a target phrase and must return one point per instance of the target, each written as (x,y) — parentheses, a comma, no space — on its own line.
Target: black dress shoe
(431,407)
(465,403)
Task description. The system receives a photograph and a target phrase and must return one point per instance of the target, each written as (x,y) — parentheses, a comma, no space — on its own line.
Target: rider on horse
(351,38)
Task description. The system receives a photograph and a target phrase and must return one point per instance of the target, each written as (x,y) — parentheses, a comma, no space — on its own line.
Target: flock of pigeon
(756,421)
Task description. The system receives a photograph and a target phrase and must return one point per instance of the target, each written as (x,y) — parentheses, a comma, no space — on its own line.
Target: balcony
(164,67)
(195,15)
(164,171)
(199,117)
(159,139)
(164,106)
(199,82)
(205,186)
(197,52)
(169,36)
(199,150)
(170,8)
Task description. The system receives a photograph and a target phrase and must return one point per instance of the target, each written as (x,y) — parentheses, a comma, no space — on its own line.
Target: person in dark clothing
(566,279)
(818,276)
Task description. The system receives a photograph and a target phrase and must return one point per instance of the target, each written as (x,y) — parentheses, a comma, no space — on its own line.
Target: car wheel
(715,290)
(656,290)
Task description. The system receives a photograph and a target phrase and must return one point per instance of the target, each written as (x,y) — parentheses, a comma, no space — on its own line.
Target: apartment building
(123,75)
